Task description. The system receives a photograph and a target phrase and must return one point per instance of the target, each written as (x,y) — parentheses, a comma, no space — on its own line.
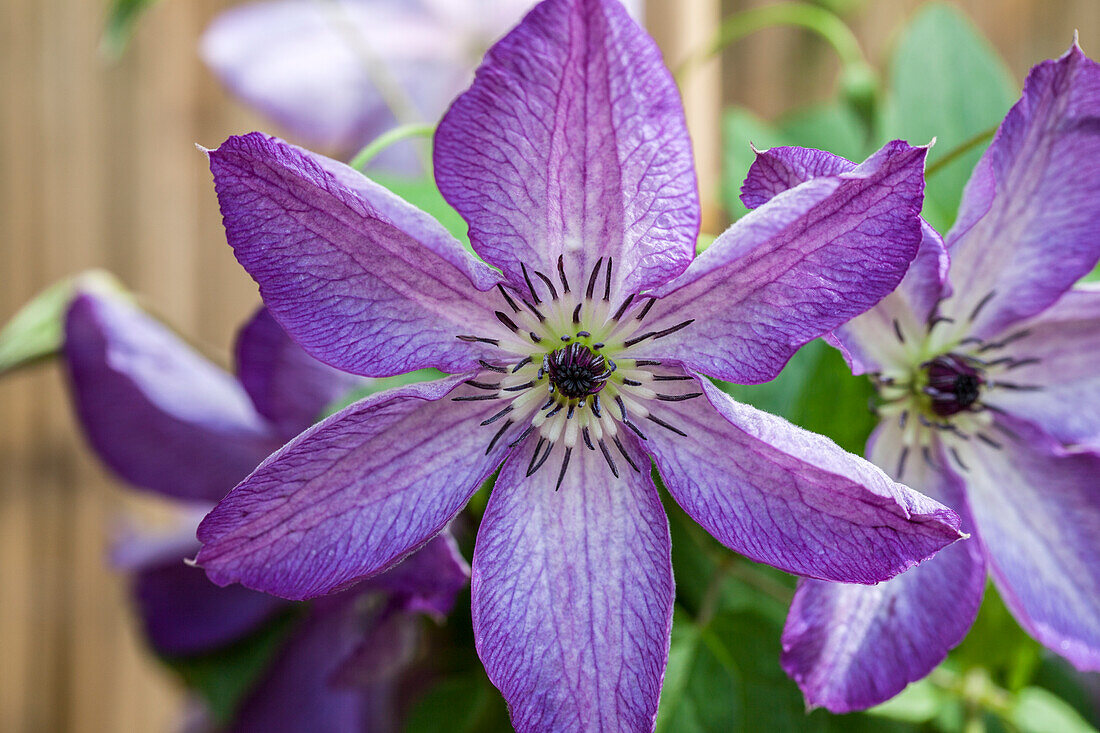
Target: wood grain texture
(98,168)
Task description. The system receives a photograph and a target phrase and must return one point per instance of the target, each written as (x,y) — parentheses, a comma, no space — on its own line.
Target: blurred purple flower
(569,159)
(990,388)
(337,74)
(170,422)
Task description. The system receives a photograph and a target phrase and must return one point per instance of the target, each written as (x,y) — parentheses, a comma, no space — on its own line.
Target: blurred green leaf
(702,689)
(465,703)
(224,677)
(422,193)
(997,644)
(122,18)
(35,332)
(1036,710)
(834,127)
(741,132)
(946,82)
(920,702)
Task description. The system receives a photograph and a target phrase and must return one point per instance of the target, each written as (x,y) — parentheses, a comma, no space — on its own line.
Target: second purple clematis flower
(575,363)
(990,398)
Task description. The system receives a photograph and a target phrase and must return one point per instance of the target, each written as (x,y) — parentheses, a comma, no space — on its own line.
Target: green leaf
(833,127)
(461,703)
(920,702)
(948,83)
(121,20)
(224,677)
(997,644)
(1036,710)
(741,131)
(423,194)
(702,688)
(378,385)
(35,332)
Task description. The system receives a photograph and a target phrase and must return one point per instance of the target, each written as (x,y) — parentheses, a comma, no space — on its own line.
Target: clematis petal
(572,142)
(871,341)
(1058,353)
(297,690)
(797,267)
(160,415)
(853,646)
(353,495)
(288,386)
(1037,512)
(183,613)
(791,498)
(301,63)
(1026,230)
(429,579)
(361,279)
(572,596)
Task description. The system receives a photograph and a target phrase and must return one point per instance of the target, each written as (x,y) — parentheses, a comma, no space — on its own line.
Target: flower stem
(959,151)
(811,17)
(402,132)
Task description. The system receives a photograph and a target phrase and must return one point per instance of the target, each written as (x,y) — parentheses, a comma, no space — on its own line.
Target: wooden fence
(98,168)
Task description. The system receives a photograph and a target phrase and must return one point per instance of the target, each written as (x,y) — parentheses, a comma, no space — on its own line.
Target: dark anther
(555,411)
(587,438)
(536,311)
(508,298)
(631,382)
(483,385)
(570,411)
(596,406)
(1017,387)
(564,465)
(535,337)
(607,285)
(897,331)
(1005,341)
(679,397)
(619,445)
(561,274)
(475,398)
(646,362)
(989,441)
(479,339)
(1017,363)
(577,313)
(955,454)
(954,385)
(645,310)
(981,304)
(536,462)
(934,321)
(665,425)
(507,424)
(670,377)
(503,318)
(598,345)
(497,416)
(903,418)
(611,366)
(524,434)
(583,334)
(623,307)
(530,285)
(901,462)
(926,452)
(607,457)
(549,284)
(492,367)
(566,339)
(576,371)
(659,334)
(520,387)
(522,363)
(592,279)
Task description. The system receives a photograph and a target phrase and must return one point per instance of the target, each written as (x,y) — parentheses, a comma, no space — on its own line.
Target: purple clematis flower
(170,422)
(990,392)
(572,367)
(337,74)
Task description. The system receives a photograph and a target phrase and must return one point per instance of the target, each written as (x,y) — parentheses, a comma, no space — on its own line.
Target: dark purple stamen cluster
(954,384)
(576,371)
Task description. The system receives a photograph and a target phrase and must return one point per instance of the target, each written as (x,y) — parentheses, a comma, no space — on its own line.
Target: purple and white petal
(871,341)
(1037,511)
(572,143)
(791,498)
(802,264)
(1027,223)
(183,613)
(353,495)
(288,386)
(361,279)
(572,596)
(156,412)
(429,579)
(850,647)
(1059,353)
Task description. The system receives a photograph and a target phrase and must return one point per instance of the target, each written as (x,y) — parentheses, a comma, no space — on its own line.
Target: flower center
(566,366)
(954,384)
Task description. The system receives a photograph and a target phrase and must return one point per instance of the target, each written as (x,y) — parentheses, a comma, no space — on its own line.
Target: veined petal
(572,142)
(853,646)
(288,386)
(870,341)
(184,613)
(361,279)
(149,404)
(791,498)
(1026,230)
(805,262)
(572,596)
(1037,511)
(353,495)
(1060,354)
(429,579)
